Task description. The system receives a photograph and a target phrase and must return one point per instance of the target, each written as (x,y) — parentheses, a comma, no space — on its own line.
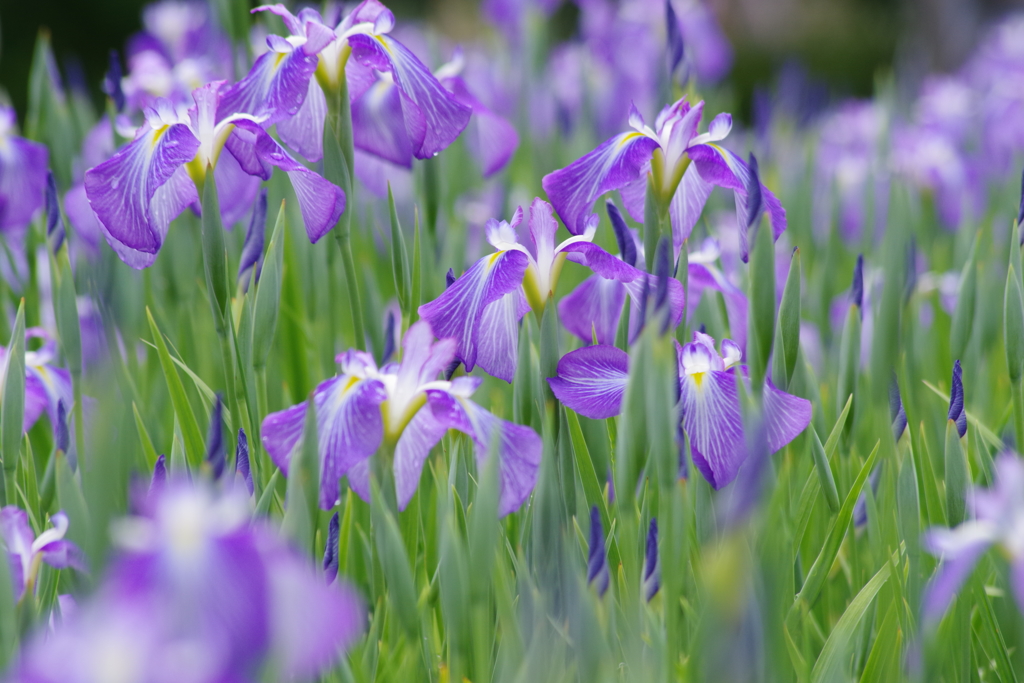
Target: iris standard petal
(615,163)
(592,380)
(122,190)
(459,311)
(595,306)
(433,117)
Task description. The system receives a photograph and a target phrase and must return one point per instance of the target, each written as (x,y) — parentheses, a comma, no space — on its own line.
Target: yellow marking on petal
(380,39)
(492,259)
(626,137)
(352,381)
(158,133)
(698,379)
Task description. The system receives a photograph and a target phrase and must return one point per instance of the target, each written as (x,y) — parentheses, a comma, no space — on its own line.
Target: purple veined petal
(236,190)
(304,131)
(378,124)
(422,433)
(687,206)
(459,311)
(359,479)
(123,191)
(703,278)
(422,359)
(592,380)
(36,400)
(634,194)
(55,384)
(23,167)
(433,117)
(785,416)
(83,221)
(518,447)
(594,306)
(275,87)
(615,163)
(349,429)
(16,533)
(954,570)
(712,419)
(320,201)
(311,622)
(498,341)
(359,78)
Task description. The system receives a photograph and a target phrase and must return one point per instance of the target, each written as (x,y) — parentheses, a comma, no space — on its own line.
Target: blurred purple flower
(25,551)
(23,167)
(45,385)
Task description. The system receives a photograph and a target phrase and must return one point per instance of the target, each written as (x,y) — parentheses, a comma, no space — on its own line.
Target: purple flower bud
(60,430)
(449,278)
(860,510)
(663,272)
(755,203)
(242,460)
(389,338)
(627,247)
(215,454)
(54,222)
(597,562)
(652,565)
(159,475)
(112,82)
(857,290)
(956,401)
(252,249)
(676,48)
(897,415)
(331,551)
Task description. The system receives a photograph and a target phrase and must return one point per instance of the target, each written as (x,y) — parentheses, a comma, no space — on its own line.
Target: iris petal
(592,380)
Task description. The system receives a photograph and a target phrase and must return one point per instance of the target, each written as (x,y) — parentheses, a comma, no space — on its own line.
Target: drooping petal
(433,117)
(304,131)
(275,87)
(422,433)
(459,311)
(961,548)
(63,554)
(615,163)
(378,124)
(594,306)
(687,205)
(592,380)
(785,416)
(23,166)
(123,191)
(518,447)
(498,341)
(349,429)
(712,419)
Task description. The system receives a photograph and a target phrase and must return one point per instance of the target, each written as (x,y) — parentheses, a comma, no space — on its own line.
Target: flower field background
(337,351)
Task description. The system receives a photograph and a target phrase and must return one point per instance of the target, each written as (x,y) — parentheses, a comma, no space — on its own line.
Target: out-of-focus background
(844,45)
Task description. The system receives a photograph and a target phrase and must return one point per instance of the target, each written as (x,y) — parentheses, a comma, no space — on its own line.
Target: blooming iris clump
(405,407)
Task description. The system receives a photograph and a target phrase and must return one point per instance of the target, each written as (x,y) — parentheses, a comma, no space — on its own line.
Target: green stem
(1017,392)
(256,444)
(229,378)
(76,386)
(352,284)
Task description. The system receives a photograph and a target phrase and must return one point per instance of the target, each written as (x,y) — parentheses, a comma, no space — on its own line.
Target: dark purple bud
(676,48)
(331,551)
(242,460)
(860,510)
(627,246)
(1020,210)
(252,249)
(60,430)
(597,562)
(54,221)
(449,278)
(159,475)
(857,290)
(652,565)
(112,82)
(450,370)
(389,339)
(663,271)
(897,415)
(215,455)
(753,188)
(956,401)
(611,487)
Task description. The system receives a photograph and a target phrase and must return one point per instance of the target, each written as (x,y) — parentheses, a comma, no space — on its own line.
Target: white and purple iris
(666,152)
(46,386)
(592,381)
(26,552)
(482,308)
(199,591)
(407,408)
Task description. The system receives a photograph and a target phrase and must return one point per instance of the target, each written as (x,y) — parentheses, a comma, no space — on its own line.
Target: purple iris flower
(651,581)
(708,49)
(26,552)
(481,310)
(23,166)
(592,380)
(46,386)
(198,591)
(404,406)
(399,109)
(141,189)
(997,519)
(623,162)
